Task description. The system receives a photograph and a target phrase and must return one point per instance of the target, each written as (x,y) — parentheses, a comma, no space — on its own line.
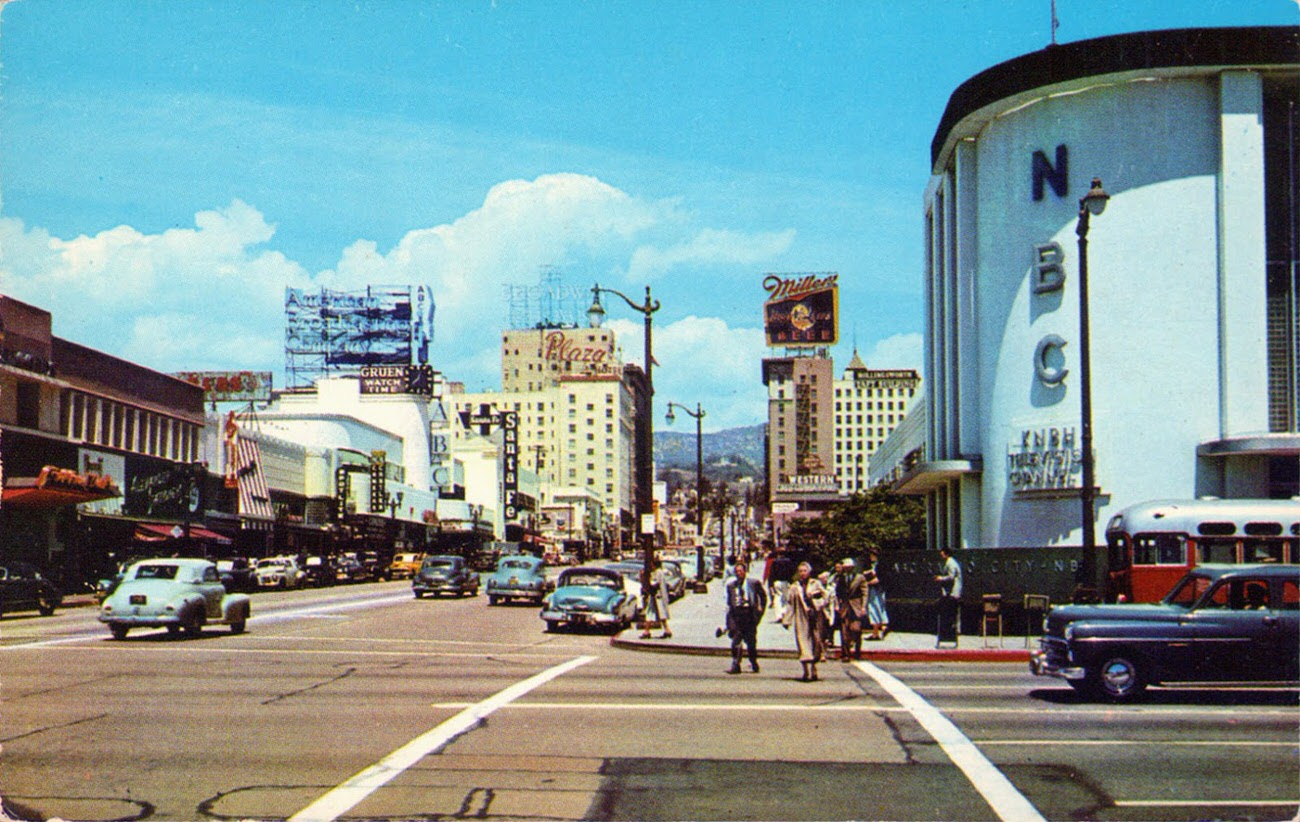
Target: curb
(1011,655)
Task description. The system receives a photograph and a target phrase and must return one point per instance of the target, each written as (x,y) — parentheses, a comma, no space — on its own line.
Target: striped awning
(254,496)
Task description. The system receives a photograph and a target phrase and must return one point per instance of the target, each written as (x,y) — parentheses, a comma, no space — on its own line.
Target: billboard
(330,331)
(801,309)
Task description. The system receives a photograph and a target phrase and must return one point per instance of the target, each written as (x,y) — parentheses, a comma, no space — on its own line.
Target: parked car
(22,588)
(590,596)
(176,594)
(518,577)
(318,571)
(674,578)
(404,566)
(375,565)
(1226,623)
(347,570)
(279,572)
(631,573)
(238,574)
(440,575)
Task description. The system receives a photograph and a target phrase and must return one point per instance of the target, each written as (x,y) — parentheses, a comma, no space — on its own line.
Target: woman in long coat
(805,600)
(876,611)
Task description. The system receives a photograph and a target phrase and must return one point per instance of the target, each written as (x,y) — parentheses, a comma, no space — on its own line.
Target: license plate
(139,599)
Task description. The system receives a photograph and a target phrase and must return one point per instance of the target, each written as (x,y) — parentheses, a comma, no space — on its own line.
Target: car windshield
(1187,591)
(517,565)
(272,563)
(440,564)
(595,580)
(156,572)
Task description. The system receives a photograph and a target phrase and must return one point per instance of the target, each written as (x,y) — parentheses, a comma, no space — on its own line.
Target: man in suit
(746,602)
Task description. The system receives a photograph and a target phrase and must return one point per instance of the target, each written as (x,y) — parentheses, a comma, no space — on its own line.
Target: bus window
(1209,549)
(1117,551)
(1159,549)
(1265,550)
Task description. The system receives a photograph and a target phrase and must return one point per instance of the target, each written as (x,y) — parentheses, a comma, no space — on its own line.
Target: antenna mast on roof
(1056,23)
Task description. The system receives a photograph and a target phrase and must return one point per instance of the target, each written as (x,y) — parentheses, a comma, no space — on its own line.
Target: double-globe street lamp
(1091,204)
(698,414)
(645,427)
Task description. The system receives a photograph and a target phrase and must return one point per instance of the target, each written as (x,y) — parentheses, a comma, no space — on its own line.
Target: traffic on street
(366,703)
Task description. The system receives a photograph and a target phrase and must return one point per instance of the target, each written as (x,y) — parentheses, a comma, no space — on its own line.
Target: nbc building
(1185,284)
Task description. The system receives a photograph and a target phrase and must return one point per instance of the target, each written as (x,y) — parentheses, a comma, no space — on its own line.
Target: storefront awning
(157,532)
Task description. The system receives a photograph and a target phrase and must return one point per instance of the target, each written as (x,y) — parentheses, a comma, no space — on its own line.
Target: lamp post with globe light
(1091,204)
(645,428)
(698,414)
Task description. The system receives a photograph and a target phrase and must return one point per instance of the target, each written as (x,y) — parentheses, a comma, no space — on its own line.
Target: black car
(318,571)
(1220,623)
(22,588)
(445,575)
(237,574)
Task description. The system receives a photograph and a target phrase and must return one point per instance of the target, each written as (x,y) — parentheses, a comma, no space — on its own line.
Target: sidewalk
(695,618)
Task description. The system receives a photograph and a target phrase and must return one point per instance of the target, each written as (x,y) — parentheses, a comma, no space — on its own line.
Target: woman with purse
(805,600)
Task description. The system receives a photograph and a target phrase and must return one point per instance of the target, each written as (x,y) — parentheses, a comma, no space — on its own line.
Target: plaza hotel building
(577,408)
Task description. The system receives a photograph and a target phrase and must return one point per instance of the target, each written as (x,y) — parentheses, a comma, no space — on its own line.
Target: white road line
(349,794)
(997,790)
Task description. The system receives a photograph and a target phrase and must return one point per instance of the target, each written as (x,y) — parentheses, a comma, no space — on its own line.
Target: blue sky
(167,168)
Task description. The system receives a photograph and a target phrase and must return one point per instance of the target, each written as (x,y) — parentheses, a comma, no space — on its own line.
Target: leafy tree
(877,519)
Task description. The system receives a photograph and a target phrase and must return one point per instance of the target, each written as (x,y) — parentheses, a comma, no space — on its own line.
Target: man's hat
(847,562)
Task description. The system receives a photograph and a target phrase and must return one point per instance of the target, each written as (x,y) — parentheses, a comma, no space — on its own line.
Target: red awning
(156,532)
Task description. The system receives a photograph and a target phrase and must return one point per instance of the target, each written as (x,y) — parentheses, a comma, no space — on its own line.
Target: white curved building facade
(1191,275)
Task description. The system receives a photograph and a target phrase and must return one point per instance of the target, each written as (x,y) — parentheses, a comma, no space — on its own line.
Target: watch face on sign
(419,380)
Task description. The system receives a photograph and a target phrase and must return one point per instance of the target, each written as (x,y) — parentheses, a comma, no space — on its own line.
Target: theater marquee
(801,309)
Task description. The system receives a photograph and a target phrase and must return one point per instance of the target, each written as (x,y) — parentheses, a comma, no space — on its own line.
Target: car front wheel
(1119,677)
(46,607)
(119,631)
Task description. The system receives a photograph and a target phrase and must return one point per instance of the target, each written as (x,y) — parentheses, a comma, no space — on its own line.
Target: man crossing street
(746,602)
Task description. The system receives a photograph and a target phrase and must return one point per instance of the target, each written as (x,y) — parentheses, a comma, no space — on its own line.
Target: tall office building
(869,404)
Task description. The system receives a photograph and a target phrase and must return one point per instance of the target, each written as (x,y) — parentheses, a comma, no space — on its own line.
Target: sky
(167,169)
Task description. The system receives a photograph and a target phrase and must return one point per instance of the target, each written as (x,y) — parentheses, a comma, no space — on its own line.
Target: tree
(877,519)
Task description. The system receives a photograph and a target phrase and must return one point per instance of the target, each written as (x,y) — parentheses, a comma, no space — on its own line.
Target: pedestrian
(746,602)
(804,600)
(851,596)
(655,596)
(877,614)
(949,597)
(779,575)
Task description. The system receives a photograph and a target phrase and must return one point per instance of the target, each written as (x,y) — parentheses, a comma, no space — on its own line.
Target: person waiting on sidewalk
(877,614)
(746,602)
(949,597)
(804,600)
(851,602)
(655,595)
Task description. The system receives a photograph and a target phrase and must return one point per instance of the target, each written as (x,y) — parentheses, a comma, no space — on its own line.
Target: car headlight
(1068,633)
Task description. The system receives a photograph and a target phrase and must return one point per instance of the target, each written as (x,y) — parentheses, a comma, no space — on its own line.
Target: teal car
(176,594)
(589,597)
(518,577)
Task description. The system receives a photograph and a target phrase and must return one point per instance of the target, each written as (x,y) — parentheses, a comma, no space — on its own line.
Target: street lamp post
(1092,203)
(700,585)
(645,431)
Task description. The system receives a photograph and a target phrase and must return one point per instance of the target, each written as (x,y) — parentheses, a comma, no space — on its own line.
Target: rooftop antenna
(1056,23)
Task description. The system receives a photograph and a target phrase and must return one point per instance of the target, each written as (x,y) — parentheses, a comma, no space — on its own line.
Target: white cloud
(709,247)
(898,351)
(211,296)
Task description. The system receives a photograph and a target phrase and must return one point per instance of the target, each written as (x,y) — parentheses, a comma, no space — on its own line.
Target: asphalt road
(363,703)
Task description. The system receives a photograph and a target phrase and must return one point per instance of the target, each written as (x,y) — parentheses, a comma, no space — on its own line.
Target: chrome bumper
(1040,665)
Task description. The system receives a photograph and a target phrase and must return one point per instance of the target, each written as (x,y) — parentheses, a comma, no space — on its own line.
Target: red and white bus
(1152,544)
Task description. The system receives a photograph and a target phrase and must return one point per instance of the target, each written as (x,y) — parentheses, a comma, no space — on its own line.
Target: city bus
(1151,545)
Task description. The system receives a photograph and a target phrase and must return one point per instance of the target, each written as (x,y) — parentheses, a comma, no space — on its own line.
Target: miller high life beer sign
(801,309)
